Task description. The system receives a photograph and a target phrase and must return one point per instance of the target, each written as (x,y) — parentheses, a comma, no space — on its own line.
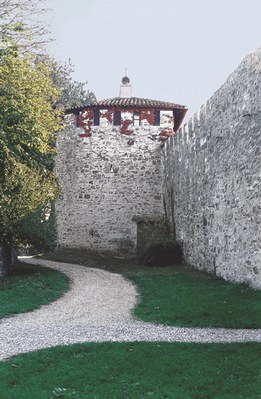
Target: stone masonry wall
(212,180)
(111,184)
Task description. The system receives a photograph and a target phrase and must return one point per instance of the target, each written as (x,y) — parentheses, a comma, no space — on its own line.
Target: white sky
(180,51)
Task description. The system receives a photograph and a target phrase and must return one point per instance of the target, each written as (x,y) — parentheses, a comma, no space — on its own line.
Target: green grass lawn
(198,300)
(175,296)
(28,287)
(135,370)
(179,296)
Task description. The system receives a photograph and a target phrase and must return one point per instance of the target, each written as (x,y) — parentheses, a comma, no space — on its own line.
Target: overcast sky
(178,51)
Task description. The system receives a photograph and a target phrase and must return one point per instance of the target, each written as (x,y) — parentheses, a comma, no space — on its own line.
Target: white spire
(125,88)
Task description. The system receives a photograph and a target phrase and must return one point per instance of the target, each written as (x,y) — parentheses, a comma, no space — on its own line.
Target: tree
(21,24)
(30,87)
(27,123)
(73,93)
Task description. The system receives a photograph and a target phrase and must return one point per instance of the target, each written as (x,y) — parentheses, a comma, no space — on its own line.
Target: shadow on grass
(178,295)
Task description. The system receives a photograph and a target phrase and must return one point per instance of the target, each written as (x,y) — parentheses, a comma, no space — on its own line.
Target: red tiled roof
(136,102)
(129,102)
(179,111)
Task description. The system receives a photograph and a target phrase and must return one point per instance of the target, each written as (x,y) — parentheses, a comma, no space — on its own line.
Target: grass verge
(196,300)
(30,286)
(179,296)
(134,370)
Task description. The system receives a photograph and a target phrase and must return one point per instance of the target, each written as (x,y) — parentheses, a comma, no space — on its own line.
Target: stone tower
(109,166)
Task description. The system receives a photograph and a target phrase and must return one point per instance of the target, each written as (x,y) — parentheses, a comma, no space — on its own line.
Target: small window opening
(96,117)
(117,118)
(156,117)
(136,119)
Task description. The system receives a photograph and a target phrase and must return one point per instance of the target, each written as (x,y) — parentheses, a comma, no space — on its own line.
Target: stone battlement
(212,179)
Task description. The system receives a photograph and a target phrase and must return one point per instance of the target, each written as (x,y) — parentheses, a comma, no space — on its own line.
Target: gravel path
(98,308)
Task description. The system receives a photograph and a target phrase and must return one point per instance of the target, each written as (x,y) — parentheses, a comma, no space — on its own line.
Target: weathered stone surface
(212,180)
(110,182)
(118,184)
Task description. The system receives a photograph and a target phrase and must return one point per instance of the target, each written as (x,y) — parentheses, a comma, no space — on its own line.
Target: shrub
(162,254)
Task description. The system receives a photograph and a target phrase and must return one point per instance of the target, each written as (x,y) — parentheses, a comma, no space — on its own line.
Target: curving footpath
(98,308)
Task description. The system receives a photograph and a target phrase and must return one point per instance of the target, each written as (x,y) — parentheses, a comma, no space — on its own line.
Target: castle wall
(212,179)
(111,180)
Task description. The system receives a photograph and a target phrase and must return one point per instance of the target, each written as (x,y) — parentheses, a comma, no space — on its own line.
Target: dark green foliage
(162,254)
(37,231)
(28,287)
(135,371)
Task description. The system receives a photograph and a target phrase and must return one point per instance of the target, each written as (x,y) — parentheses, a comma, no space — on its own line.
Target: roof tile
(119,102)
(133,102)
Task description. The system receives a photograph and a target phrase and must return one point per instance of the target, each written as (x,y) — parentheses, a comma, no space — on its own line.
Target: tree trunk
(6,259)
